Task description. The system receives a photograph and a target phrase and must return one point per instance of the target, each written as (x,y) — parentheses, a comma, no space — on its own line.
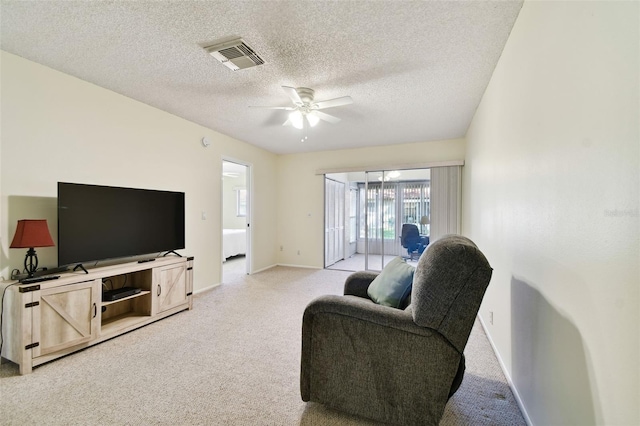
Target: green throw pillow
(393,284)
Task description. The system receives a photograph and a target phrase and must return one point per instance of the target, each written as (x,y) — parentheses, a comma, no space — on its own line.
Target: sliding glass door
(376,206)
(387,203)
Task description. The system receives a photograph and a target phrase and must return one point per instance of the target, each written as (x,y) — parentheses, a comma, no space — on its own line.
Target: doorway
(236,220)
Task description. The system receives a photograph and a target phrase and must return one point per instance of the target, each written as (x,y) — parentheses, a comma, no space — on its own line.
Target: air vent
(235,54)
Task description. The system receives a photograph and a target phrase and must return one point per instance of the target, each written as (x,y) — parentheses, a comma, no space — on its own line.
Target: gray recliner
(396,365)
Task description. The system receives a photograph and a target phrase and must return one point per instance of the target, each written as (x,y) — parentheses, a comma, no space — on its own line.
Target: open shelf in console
(120,314)
(120,322)
(111,302)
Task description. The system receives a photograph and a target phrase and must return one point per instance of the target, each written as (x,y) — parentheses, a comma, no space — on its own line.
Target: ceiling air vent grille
(235,55)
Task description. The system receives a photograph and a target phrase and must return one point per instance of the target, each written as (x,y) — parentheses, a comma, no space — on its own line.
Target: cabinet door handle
(159,290)
(95,310)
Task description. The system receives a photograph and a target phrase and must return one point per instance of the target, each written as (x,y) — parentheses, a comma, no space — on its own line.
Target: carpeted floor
(233,360)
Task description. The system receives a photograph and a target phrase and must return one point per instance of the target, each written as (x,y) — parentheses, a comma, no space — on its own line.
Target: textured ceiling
(415,70)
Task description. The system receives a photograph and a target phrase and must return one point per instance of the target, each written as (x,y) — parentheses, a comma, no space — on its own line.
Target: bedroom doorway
(236,223)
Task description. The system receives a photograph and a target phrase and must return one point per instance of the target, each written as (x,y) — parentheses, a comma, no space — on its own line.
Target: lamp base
(31,262)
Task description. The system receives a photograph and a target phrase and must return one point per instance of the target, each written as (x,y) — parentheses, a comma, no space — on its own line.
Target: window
(415,204)
(403,202)
(241,202)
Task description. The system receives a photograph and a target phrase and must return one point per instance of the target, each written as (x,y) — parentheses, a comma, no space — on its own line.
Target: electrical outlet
(491,317)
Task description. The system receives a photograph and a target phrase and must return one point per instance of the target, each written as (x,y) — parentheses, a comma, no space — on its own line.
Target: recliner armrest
(365,310)
(357,283)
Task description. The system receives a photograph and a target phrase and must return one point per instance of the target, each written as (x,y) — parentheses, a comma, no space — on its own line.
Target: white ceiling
(416,70)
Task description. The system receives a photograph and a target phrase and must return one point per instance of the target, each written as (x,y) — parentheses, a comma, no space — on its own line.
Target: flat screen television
(105,222)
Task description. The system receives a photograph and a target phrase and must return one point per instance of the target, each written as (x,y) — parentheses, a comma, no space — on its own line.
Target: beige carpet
(233,360)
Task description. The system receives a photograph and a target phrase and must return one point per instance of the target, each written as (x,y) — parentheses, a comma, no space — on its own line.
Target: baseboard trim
(298,266)
(201,290)
(514,390)
(263,269)
(270,267)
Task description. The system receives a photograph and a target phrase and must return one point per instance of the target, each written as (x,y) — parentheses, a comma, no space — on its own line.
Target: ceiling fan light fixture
(304,112)
(296,119)
(313,119)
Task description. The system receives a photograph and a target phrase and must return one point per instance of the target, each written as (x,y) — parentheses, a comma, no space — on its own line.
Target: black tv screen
(104,222)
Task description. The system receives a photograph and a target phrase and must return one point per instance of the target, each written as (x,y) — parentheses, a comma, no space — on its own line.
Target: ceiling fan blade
(271,107)
(345,100)
(293,94)
(327,117)
(287,123)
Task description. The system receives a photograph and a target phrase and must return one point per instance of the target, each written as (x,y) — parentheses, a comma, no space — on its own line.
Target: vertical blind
(445,201)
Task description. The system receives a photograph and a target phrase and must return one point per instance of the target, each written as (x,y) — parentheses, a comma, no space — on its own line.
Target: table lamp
(424,220)
(31,233)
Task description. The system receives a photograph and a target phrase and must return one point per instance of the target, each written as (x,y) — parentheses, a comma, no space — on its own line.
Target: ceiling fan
(306,111)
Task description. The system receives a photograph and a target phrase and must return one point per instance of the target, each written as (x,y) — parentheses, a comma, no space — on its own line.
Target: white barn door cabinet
(49,319)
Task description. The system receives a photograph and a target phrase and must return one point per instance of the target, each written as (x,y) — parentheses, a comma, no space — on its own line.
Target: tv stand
(79,266)
(47,320)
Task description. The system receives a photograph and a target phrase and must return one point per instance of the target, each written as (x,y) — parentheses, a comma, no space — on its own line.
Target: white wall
(551,184)
(58,128)
(301,191)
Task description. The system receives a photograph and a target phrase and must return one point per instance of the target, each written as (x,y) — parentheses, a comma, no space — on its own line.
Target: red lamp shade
(32,233)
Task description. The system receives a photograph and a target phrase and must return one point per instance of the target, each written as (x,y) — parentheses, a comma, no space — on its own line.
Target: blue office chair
(412,241)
